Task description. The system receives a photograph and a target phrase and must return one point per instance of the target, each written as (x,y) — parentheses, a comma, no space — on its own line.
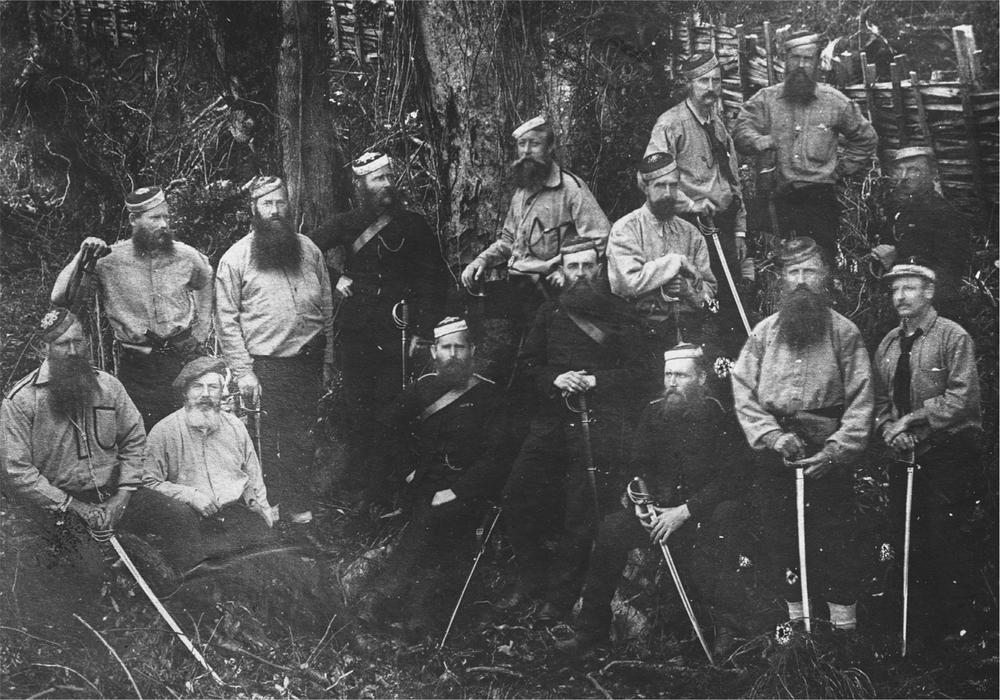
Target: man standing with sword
(804,396)
(691,452)
(583,357)
(927,411)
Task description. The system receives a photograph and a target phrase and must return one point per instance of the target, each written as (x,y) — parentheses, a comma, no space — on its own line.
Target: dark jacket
(556,344)
(699,458)
(455,447)
(403,261)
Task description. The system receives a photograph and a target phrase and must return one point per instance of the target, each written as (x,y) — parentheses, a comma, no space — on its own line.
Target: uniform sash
(592,331)
(448,398)
(370,233)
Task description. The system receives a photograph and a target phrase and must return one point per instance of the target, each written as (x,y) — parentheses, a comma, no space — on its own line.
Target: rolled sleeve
(860,139)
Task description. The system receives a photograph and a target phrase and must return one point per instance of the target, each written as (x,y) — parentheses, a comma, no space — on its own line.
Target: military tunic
(550,468)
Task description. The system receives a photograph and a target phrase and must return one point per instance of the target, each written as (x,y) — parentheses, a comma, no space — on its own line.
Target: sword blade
(800,511)
(906,553)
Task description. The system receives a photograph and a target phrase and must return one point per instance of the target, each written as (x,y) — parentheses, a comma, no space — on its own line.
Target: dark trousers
(426,570)
(148,379)
(548,494)
(811,210)
(372,371)
(833,560)
(945,558)
(290,390)
(706,558)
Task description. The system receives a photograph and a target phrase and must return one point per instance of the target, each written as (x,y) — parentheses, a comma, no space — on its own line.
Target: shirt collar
(925,325)
(697,117)
(42,378)
(555,177)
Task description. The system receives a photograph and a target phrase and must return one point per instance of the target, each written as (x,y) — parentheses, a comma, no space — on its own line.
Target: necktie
(720,151)
(901,380)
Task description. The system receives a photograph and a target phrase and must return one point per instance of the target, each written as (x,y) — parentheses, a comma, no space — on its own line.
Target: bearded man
(690,452)
(549,204)
(391,255)
(922,223)
(804,396)
(274,319)
(801,122)
(440,437)
(582,353)
(72,444)
(202,457)
(157,294)
(660,262)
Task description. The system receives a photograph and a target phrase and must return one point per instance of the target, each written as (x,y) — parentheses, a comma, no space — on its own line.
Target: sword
(588,453)
(401,317)
(708,228)
(167,617)
(911,466)
(640,496)
(800,511)
(468,579)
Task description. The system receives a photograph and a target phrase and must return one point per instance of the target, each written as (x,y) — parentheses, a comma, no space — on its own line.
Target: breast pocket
(821,142)
(105,427)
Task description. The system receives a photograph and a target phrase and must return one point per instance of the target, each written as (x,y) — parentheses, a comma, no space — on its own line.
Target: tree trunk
(311,158)
(462,48)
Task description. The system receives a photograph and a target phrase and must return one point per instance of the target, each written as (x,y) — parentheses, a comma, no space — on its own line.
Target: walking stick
(911,466)
(167,617)
(588,452)
(708,228)
(800,511)
(401,317)
(640,496)
(468,579)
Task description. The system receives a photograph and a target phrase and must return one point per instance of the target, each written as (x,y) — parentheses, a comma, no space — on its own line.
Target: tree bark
(461,46)
(311,158)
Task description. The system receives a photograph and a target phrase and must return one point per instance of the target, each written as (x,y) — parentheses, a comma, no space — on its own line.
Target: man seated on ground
(444,429)
(72,444)
(202,457)
(215,525)
(690,452)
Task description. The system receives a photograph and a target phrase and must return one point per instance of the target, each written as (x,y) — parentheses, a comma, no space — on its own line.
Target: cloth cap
(911,267)
(56,322)
(196,368)
(144,199)
(796,250)
(449,325)
(801,38)
(573,242)
(530,125)
(369,162)
(656,165)
(263,184)
(683,351)
(700,64)
(912,152)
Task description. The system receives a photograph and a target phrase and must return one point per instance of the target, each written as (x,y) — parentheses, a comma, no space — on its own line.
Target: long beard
(800,87)
(145,243)
(530,174)
(675,404)
(72,385)
(203,415)
(663,209)
(454,372)
(275,245)
(803,317)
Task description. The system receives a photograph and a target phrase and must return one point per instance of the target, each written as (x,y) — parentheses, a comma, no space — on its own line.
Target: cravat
(720,150)
(901,380)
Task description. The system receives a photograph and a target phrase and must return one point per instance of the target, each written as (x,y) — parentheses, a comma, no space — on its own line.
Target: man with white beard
(274,311)
(157,294)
